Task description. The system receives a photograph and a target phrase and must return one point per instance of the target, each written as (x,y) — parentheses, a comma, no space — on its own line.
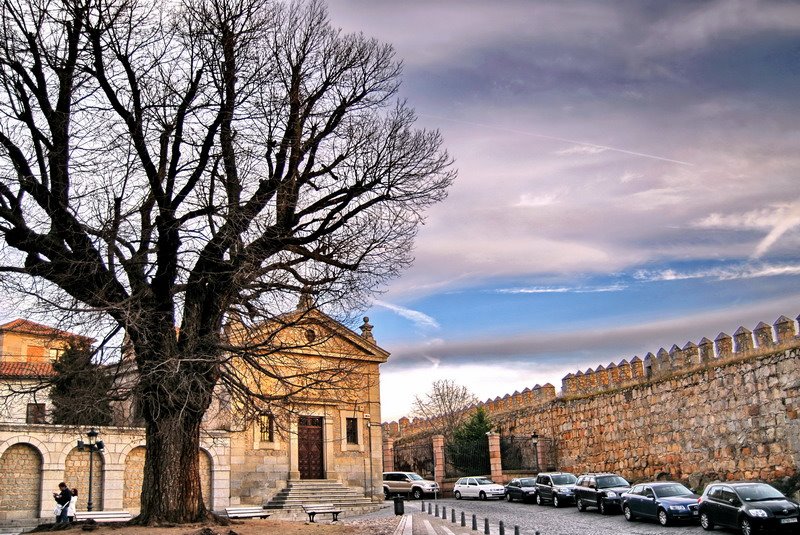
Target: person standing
(63,498)
(73,502)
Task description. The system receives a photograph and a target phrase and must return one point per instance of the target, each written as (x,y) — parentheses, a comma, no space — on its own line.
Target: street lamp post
(535,442)
(93,445)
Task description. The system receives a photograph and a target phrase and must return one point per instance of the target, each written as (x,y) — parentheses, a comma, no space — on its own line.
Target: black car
(664,501)
(521,488)
(749,506)
(603,491)
(557,488)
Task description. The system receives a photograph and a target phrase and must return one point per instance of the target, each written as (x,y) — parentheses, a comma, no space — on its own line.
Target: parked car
(478,487)
(557,488)
(664,501)
(522,489)
(408,483)
(749,506)
(600,490)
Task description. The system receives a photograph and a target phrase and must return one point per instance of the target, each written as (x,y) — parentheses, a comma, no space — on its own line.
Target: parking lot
(531,518)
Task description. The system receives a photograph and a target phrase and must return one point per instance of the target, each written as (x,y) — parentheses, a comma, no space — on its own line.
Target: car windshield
(484,481)
(527,482)
(667,491)
(414,477)
(611,481)
(564,479)
(758,492)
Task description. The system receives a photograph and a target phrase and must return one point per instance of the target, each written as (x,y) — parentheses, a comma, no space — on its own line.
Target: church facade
(328,428)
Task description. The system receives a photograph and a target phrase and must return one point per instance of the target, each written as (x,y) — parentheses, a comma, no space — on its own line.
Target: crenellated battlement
(762,340)
(529,397)
(744,343)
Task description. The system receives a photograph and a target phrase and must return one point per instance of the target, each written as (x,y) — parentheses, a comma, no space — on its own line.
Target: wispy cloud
(582,149)
(526,200)
(722,273)
(561,289)
(420,319)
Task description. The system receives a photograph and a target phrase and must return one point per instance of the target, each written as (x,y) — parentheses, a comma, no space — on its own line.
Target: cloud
(720,273)
(420,319)
(581,149)
(561,289)
(526,200)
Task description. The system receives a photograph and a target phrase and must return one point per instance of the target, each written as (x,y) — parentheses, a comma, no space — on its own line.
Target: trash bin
(399,507)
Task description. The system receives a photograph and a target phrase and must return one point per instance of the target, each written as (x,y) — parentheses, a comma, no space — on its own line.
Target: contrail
(555,138)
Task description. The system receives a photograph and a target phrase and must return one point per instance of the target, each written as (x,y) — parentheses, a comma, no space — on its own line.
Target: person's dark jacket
(64,497)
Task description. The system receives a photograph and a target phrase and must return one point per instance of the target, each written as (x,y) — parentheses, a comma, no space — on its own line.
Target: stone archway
(21,489)
(206,481)
(134,475)
(76,475)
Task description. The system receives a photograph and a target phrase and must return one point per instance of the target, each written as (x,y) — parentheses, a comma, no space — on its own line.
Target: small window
(35,413)
(267,424)
(351,425)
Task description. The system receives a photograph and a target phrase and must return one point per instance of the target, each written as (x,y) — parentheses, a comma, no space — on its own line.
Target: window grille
(267,423)
(351,425)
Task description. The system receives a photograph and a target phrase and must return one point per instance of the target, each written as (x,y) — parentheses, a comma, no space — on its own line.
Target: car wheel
(509,499)
(581,506)
(416,494)
(555,501)
(457,495)
(602,507)
(627,513)
(539,500)
(706,522)
(663,519)
(482,495)
(746,527)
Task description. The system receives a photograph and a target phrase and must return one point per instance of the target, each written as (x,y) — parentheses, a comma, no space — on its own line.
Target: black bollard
(437,510)
(444,512)
(485,526)
(474,523)
(423,506)
(516,530)
(429,508)
(463,520)
(502,528)
(453,516)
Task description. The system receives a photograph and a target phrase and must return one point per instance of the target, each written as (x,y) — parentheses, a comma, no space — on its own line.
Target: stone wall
(725,411)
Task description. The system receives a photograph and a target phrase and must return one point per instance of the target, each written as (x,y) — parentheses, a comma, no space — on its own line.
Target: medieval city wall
(723,410)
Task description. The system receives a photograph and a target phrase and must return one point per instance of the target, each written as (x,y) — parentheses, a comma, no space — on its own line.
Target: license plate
(788,520)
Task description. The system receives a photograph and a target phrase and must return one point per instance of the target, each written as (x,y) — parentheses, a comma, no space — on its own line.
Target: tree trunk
(171,490)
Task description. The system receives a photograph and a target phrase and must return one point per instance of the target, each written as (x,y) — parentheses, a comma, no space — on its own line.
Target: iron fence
(467,458)
(519,452)
(414,458)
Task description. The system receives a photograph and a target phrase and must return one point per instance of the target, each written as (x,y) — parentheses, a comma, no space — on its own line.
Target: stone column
(495,461)
(438,459)
(388,455)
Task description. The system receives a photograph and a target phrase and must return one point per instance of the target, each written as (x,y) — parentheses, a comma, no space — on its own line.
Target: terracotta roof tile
(26,369)
(30,327)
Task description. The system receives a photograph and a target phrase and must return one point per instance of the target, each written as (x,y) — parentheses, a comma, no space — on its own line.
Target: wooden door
(309,448)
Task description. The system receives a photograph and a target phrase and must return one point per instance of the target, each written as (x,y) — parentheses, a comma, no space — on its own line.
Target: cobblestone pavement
(529,518)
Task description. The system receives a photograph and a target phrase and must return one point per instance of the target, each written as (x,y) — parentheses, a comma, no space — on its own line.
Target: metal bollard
(437,510)
(474,523)
(453,516)
(429,508)
(423,506)
(444,513)
(502,528)
(463,520)
(516,530)
(485,526)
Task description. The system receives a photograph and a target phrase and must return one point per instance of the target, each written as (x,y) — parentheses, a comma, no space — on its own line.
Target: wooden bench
(321,508)
(103,516)
(246,512)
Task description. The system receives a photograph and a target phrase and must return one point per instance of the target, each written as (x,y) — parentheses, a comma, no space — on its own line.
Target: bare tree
(445,406)
(171,173)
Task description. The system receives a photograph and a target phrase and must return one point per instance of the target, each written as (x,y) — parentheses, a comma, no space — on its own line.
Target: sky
(628,180)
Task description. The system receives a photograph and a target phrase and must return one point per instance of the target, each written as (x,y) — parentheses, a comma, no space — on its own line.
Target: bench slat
(104,516)
(321,508)
(246,512)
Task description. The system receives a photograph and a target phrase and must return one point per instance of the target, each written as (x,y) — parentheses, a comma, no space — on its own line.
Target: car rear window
(564,479)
